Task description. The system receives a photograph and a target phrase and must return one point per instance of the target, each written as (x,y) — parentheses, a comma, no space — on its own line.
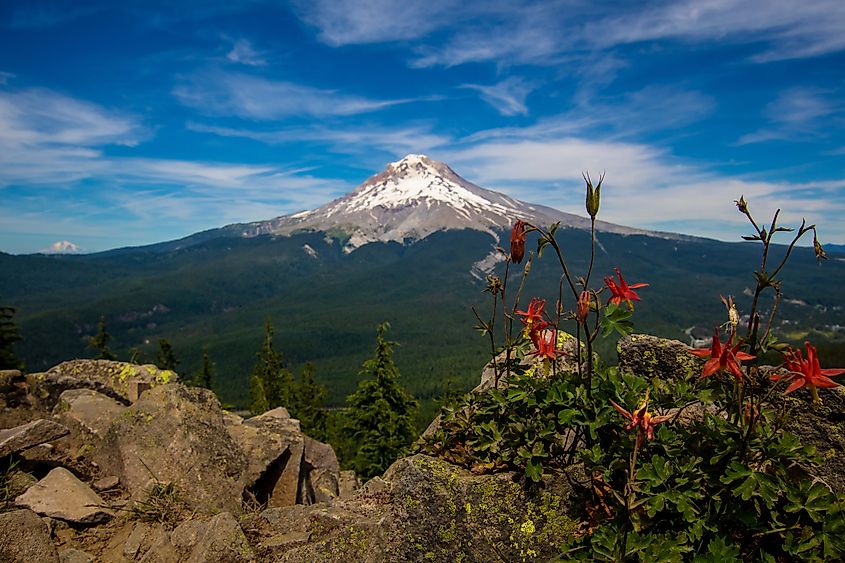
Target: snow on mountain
(414,197)
(62,247)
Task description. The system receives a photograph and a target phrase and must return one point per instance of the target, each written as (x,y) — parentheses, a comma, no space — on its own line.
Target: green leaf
(616,319)
(533,471)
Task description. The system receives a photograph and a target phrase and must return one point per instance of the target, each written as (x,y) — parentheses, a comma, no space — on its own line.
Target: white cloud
(654,108)
(796,114)
(507,96)
(48,137)
(348,22)
(450,33)
(37,116)
(253,97)
(357,140)
(785,29)
(244,53)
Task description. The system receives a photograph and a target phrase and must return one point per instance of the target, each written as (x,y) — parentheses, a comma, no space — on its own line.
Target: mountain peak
(412,198)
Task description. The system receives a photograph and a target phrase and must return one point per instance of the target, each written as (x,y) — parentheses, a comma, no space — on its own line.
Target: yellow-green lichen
(164,376)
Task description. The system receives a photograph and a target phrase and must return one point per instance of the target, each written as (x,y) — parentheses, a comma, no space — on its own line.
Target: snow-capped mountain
(413,198)
(62,247)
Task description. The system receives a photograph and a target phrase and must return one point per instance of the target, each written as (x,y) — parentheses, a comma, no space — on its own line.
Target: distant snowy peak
(413,198)
(62,247)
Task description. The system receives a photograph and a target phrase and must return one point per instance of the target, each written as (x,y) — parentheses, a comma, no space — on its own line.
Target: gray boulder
(176,434)
(217,459)
(649,356)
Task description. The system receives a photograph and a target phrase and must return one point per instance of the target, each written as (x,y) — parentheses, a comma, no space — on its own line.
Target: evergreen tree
(100,341)
(257,397)
(165,358)
(307,403)
(381,412)
(276,380)
(203,377)
(8,336)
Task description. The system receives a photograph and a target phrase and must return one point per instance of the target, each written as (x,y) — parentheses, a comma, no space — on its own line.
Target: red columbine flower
(545,343)
(533,320)
(722,357)
(518,242)
(534,314)
(807,373)
(641,418)
(622,291)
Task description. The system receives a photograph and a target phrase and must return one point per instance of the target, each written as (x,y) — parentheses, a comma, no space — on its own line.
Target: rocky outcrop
(121,381)
(61,495)
(181,435)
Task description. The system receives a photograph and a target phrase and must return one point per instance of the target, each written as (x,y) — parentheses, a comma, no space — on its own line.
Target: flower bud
(518,242)
(741,204)
(817,247)
(593,196)
(583,308)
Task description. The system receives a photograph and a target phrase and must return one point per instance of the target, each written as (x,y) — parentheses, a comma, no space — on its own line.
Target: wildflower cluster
(700,470)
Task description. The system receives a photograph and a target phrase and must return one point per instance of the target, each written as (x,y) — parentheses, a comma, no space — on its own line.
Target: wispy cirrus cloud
(653,108)
(244,53)
(507,96)
(797,114)
(47,137)
(217,92)
(549,32)
(351,22)
(355,140)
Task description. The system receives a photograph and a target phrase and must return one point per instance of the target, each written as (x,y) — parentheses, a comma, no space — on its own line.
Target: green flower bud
(593,196)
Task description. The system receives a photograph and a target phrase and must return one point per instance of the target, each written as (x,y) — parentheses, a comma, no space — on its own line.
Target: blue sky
(133,122)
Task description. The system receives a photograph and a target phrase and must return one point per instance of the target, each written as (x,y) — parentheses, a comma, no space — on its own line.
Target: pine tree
(381,412)
(100,341)
(203,377)
(307,403)
(9,335)
(276,380)
(165,358)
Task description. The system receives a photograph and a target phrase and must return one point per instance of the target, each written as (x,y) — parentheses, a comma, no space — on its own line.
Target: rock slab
(19,438)
(61,495)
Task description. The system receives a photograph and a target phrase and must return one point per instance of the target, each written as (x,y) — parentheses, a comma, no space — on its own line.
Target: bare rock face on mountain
(411,199)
